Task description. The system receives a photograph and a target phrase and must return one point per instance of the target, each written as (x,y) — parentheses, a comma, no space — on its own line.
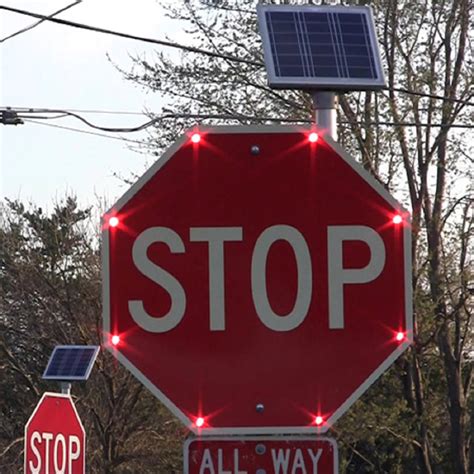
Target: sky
(55,66)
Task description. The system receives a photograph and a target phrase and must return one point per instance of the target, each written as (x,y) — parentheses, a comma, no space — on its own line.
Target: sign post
(55,439)
(257,280)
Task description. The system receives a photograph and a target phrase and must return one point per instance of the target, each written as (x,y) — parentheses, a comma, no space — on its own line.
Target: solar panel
(71,363)
(320,47)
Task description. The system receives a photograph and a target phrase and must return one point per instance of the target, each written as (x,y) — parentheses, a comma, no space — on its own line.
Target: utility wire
(408,124)
(154,120)
(431,96)
(43,117)
(34,110)
(34,25)
(65,113)
(249,118)
(72,129)
(169,44)
(197,50)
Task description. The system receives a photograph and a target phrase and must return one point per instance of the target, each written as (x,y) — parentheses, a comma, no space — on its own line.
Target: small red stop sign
(257,280)
(55,439)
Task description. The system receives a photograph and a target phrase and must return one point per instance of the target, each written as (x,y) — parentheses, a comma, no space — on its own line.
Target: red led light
(313,137)
(195,137)
(397,219)
(319,420)
(400,336)
(199,422)
(113,221)
(115,339)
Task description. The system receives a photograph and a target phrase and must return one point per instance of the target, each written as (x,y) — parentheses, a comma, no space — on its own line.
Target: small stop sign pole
(55,439)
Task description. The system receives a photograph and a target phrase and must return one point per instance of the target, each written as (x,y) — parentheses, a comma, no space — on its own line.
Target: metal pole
(66,388)
(325,111)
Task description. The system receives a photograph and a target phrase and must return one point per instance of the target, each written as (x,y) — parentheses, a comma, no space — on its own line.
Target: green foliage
(49,295)
(417,418)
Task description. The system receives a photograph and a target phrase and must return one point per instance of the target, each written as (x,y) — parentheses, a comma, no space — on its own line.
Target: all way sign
(262,455)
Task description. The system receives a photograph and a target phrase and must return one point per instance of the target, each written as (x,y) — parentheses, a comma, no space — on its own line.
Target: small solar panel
(320,47)
(71,363)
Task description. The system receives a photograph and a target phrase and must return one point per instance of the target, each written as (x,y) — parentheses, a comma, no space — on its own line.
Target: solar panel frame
(312,80)
(82,365)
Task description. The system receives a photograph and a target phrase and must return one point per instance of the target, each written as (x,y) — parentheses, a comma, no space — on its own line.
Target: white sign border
(367,177)
(30,419)
(262,439)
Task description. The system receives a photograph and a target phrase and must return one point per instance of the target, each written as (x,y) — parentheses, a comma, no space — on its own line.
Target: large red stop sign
(258,281)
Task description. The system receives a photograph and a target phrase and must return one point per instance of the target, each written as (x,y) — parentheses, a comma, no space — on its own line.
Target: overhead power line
(88,132)
(84,111)
(34,25)
(169,44)
(30,114)
(432,96)
(65,113)
(193,49)
(247,118)
(408,124)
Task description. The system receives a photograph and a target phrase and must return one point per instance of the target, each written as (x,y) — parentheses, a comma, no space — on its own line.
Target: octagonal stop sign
(257,281)
(55,439)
